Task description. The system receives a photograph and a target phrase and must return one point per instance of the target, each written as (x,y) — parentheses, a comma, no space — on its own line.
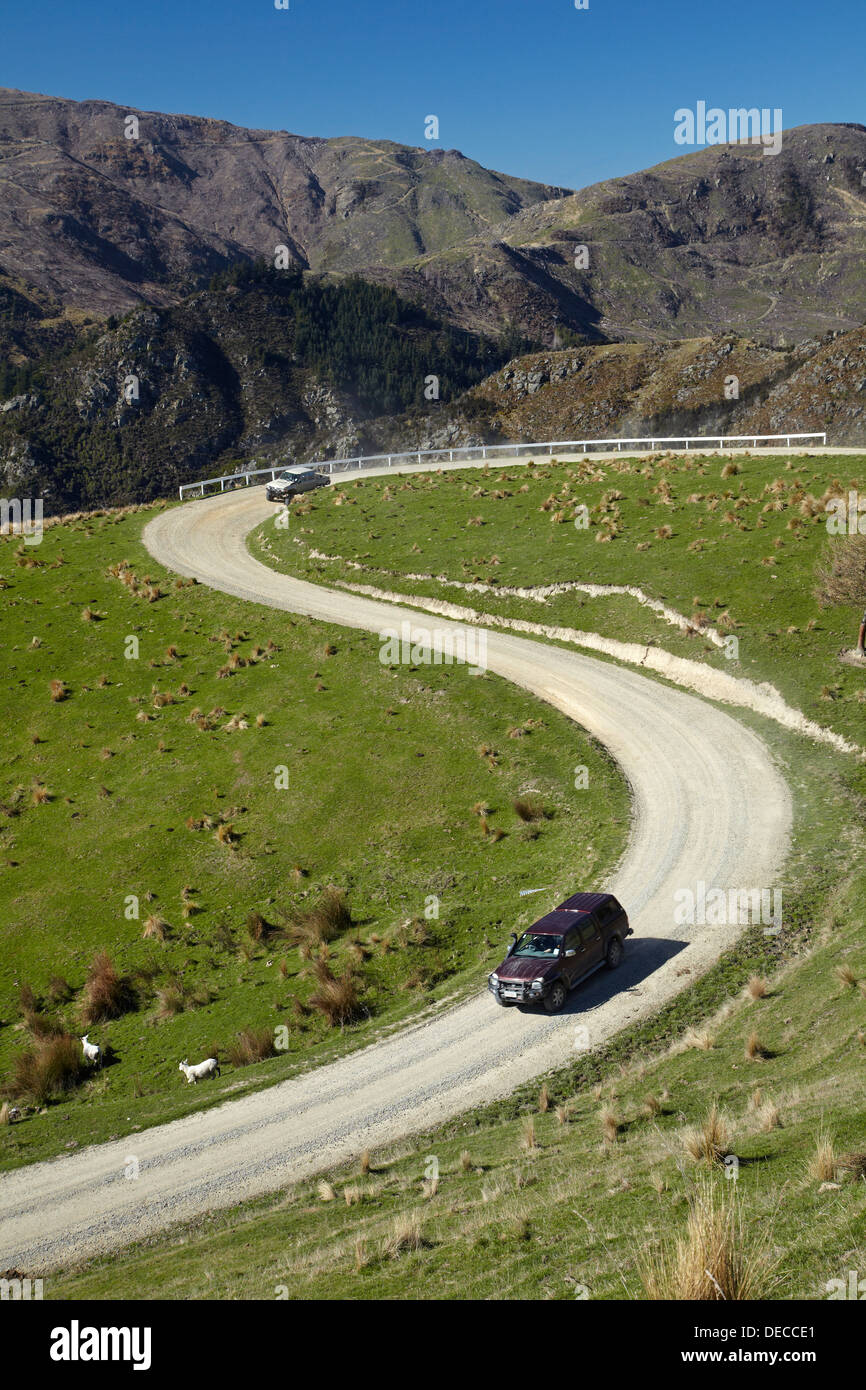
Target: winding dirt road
(708,804)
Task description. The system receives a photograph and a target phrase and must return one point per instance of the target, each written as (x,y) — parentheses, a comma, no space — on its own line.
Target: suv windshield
(538,945)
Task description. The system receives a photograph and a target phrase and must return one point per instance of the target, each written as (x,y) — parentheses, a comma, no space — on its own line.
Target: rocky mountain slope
(258,363)
(724,239)
(698,386)
(102,221)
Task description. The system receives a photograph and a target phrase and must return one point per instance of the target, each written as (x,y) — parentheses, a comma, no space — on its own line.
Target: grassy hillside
(579,1187)
(731,545)
(144,789)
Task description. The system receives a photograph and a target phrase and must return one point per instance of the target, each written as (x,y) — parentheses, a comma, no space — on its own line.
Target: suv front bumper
(516,992)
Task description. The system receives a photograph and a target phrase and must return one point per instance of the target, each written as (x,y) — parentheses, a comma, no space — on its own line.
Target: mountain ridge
(722,238)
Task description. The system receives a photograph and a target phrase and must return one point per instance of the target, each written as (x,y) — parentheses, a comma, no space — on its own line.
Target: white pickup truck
(297,478)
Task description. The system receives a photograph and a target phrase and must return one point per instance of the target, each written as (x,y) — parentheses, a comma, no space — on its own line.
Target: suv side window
(572,940)
(589,932)
(605,912)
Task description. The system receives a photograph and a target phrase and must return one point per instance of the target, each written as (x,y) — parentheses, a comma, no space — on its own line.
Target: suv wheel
(556,998)
(614,953)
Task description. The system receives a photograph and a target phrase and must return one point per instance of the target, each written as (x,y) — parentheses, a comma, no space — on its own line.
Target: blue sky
(530,87)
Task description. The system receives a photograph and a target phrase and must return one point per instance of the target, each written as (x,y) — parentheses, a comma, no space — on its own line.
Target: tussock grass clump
(609,1124)
(710,1141)
(170,1001)
(337,998)
(257,928)
(755,1051)
(59,691)
(323,922)
(757,988)
(52,1065)
(769,1117)
(406,1236)
(846,977)
(251,1045)
(528,810)
(155,928)
(106,994)
(824,1162)
(718,1257)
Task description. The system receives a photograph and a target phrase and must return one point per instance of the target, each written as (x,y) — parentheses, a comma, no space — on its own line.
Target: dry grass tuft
(754,1049)
(841,573)
(718,1257)
(609,1124)
(251,1045)
(824,1162)
(106,994)
(710,1141)
(330,916)
(155,928)
(337,998)
(406,1236)
(53,1064)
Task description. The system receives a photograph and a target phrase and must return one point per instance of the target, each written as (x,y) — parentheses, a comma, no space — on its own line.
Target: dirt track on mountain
(708,804)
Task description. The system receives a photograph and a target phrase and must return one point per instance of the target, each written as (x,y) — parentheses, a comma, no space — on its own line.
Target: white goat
(210,1067)
(92,1051)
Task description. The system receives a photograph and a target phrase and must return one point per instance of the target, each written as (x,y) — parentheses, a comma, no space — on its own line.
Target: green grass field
(741,555)
(576,1186)
(112,801)
(578,1183)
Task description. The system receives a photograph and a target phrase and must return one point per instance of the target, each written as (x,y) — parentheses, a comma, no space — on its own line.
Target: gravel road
(708,804)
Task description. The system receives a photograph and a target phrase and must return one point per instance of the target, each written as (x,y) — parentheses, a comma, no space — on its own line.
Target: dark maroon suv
(584,933)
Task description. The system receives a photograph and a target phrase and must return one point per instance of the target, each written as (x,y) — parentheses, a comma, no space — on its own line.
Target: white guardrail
(486,452)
